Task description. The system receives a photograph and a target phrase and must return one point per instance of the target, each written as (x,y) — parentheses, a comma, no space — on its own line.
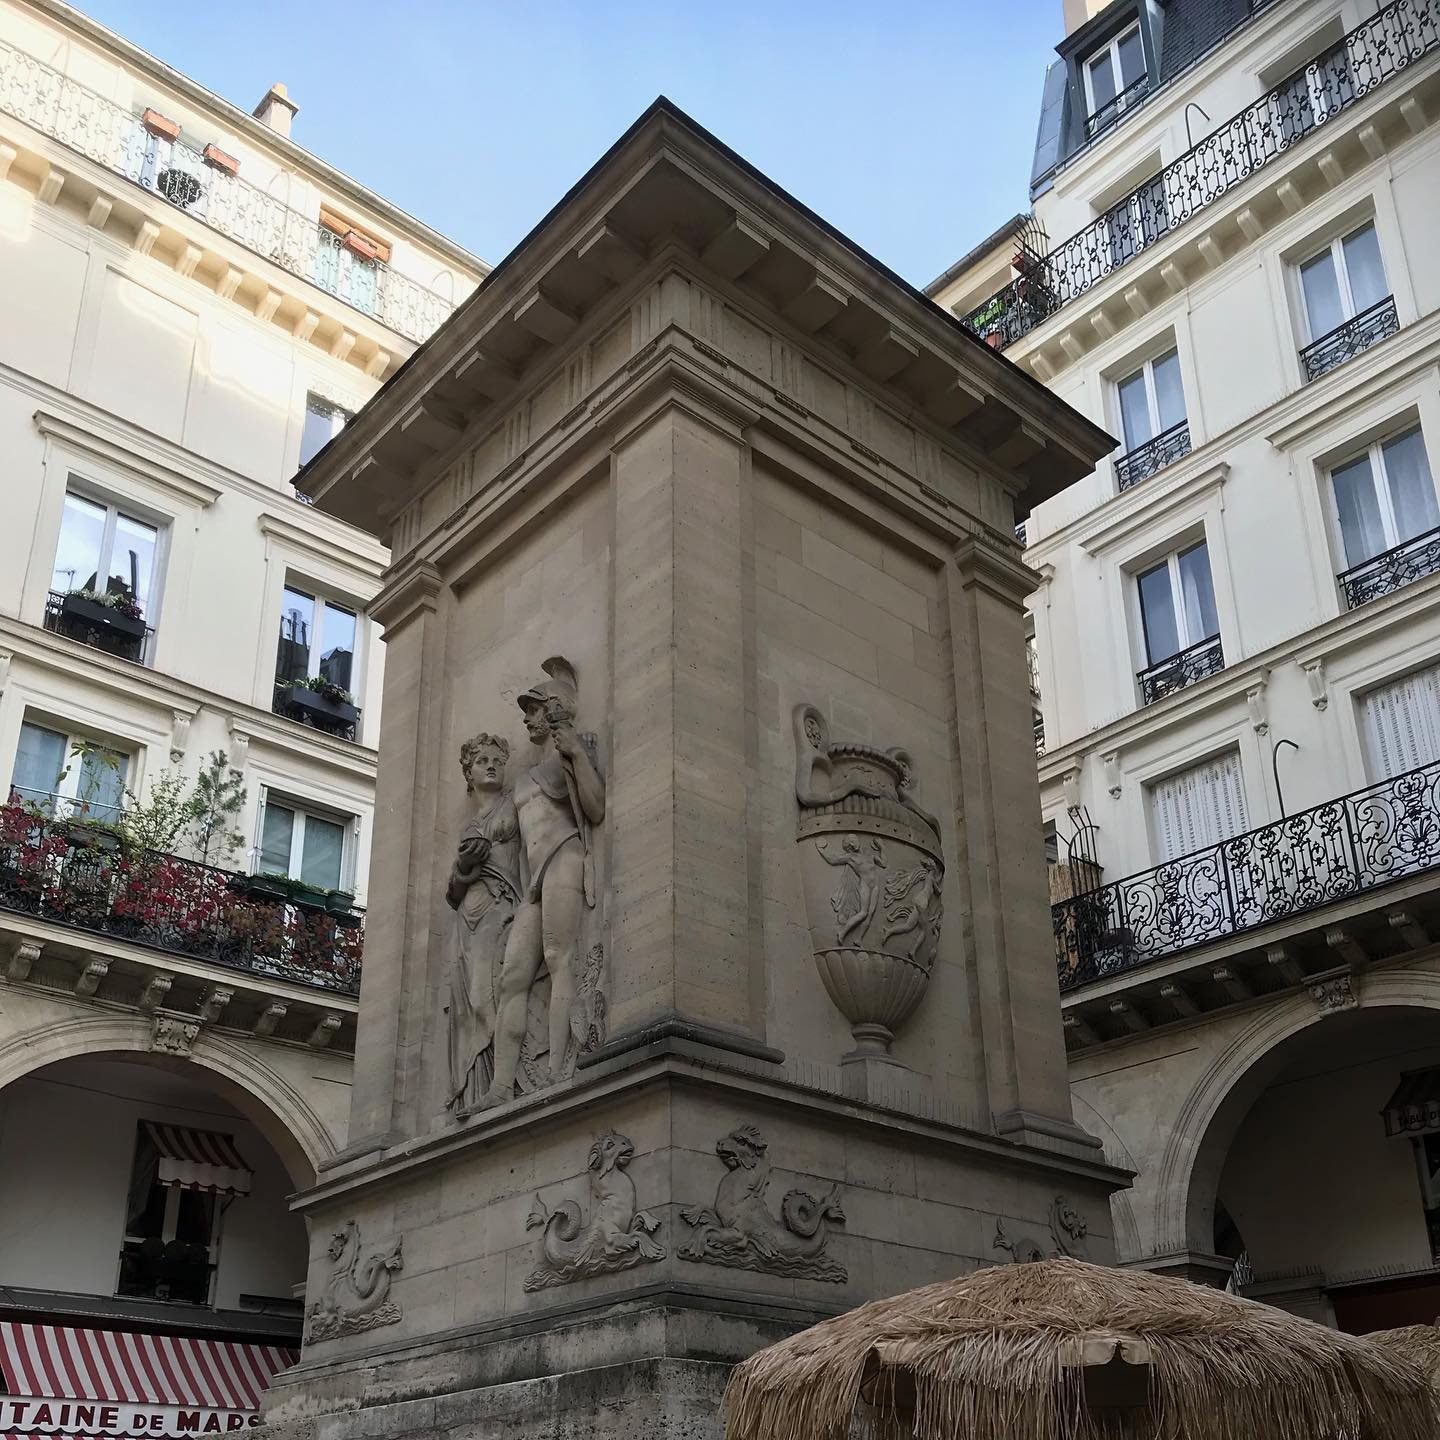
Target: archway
(1283,1145)
(130,1180)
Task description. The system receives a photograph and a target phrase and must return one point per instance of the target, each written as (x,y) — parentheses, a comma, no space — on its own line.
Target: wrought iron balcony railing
(1385,832)
(77,873)
(1144,460)
(110,135)
(1346,341)
(1190,665)
(94,623)
(1412,560)
(1103,118)
(1371,54)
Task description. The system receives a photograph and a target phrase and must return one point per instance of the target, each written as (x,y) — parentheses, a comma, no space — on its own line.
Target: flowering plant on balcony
(120,601)
(335,694)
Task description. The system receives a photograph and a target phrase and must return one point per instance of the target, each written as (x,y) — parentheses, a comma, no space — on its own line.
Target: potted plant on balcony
(88,832)
(117,612)
(314,898)
(316,701)
(340,906)
(264,886)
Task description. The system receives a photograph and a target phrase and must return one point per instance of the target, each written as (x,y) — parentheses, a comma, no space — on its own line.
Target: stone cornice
(982,562)
(607,1084)
(607,232)
(372,566)
(410,592)
(190,488)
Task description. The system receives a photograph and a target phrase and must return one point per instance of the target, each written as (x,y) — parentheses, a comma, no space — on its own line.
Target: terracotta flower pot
(221,160)
(161,125)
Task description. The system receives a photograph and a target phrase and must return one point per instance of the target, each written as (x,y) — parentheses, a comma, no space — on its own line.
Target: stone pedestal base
(653,1364)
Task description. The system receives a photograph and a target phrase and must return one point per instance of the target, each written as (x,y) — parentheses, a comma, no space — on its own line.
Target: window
(348,260)
(49,774)
(1400,722)
(1180,624)
(300,844)
(1344,279)
(324,420)
(1151,402)
(1114,78)
(172,1228)
(1177,603)
(105,551)
(1384,498)
(1198,807)
(317,637)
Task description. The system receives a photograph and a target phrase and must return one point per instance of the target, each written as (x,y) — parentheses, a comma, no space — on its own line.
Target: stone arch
(1117,1153)
(280,1112)
(1189,1174)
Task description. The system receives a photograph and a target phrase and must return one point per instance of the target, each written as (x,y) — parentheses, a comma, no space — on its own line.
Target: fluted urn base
(883,989)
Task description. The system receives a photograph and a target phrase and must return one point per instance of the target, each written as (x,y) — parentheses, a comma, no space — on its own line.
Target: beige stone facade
(760,497)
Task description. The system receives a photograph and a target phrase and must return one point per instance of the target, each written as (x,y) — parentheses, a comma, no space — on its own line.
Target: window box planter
(308,897)
(221,159)
(360,245)
(314,707)
(272,888)
(161,125)
(100,617)
(90,835)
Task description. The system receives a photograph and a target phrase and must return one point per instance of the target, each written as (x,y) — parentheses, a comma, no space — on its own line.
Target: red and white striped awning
(126,1384)
(199,1159)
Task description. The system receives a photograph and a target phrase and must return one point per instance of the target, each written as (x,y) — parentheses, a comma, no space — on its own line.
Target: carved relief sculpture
(356,1296)
(872,869)
(616,1236)
(740,1231)
(483,891)
(1068,1230)
(540,993)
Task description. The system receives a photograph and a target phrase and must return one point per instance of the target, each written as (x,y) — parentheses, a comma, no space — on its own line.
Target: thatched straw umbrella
(1417,1343)
(1061,1350)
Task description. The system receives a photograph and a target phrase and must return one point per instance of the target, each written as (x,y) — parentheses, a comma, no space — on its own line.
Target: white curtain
(1401,724)
(1198,807)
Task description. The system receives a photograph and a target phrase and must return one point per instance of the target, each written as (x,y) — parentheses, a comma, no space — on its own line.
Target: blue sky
(908,125)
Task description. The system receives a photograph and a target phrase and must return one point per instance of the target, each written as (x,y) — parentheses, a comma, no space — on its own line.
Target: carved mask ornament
(872,869)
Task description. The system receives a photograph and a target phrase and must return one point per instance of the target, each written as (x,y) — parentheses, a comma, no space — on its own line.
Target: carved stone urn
(872,868)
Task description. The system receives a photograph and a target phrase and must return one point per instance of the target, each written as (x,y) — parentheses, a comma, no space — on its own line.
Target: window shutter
(1198,807)
(1401,724)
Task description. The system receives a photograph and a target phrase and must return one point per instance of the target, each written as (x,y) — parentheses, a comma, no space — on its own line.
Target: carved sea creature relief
(874,927)
(740,1229)
(1068,1230)
(616,1236)
(356,1294)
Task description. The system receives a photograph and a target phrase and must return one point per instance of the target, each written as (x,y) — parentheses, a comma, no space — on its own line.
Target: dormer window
(1115,77)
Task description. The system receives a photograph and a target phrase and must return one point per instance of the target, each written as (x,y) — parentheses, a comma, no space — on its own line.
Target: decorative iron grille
(78,874)
(111,136)
(1371,54)
(1385,832)
(1411,560)
(1190,665)
(1107,115)
(1346,341)
(1144,460)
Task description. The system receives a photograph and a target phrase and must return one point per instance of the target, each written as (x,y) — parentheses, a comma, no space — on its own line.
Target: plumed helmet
(562,686)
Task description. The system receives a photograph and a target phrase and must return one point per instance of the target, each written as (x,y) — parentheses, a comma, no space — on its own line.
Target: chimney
(276,109)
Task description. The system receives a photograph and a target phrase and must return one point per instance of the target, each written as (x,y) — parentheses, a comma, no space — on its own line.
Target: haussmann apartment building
(1231,264)
(190,306)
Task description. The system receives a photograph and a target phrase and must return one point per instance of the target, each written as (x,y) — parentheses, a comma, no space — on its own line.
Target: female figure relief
(483,891)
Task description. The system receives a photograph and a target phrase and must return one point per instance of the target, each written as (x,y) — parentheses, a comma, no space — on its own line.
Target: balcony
(1376,51)
(1145,460)
(97,621)
(76,873)
(1346,341)
(1106,116)
(319,704)
(1412,560)
(1195,663)
(199,184)
(1384,833)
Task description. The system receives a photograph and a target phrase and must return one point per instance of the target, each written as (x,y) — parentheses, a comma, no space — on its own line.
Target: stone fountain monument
(709,984)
